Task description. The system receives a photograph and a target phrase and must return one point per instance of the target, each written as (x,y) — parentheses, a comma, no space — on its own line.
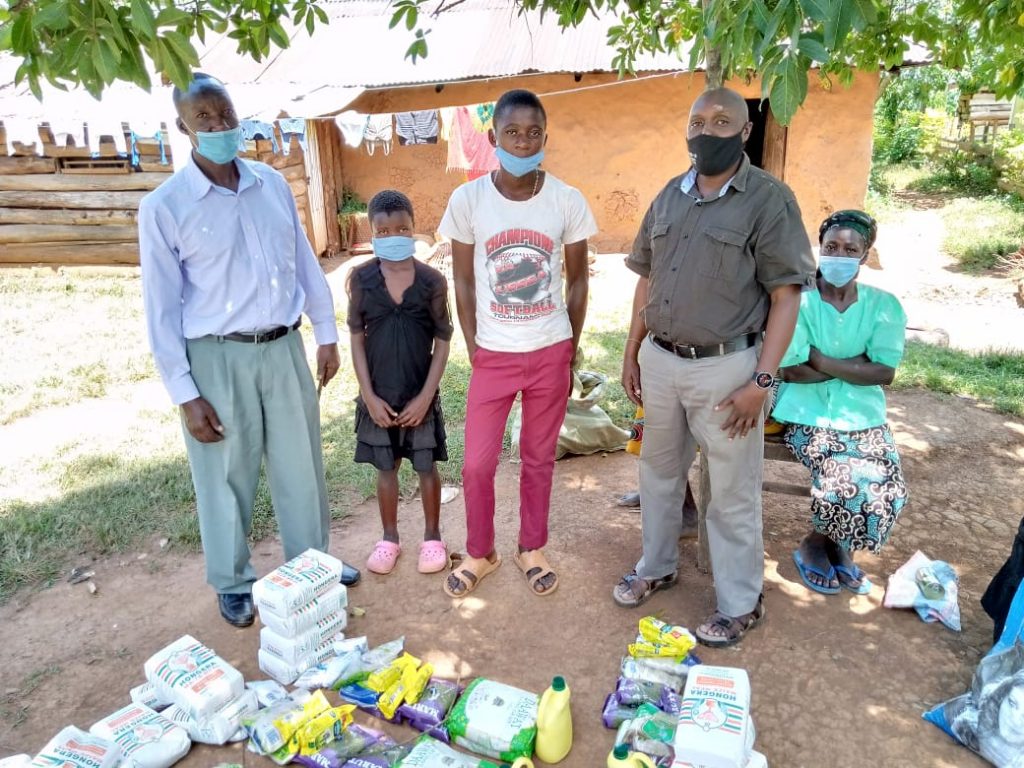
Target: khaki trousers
(265,398)
(679,399)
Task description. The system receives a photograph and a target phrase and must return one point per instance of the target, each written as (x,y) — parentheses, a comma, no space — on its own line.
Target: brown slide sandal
(470,573)
(534,560)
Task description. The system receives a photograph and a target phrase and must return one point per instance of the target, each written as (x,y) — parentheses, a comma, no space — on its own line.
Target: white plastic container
(715,730)
(331,602)
(195,678)
(147,739)
(285,590)
(293,649)
(74,748)
(224,726)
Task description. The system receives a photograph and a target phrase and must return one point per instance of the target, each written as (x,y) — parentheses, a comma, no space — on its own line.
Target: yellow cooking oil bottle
(621,757)
(554,723)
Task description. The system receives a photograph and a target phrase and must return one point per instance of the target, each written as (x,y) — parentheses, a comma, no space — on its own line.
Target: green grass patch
(981,231)
(996,378)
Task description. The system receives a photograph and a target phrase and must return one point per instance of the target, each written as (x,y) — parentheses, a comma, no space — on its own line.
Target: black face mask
(712,155)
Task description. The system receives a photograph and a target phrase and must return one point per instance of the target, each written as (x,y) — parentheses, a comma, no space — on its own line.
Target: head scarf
(858,221)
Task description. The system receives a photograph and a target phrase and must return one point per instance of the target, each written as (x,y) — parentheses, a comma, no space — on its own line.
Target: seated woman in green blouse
(848,341)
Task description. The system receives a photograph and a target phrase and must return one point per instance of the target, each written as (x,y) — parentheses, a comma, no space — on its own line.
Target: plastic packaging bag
(651,732)
(267,691)
(147,739)
(273,731)
(330,603)
(495,719)
(586,428)
(430,753)
(148,695)
(303,644)
(353,741)
(928,586)
(302,579)
(433,707)
(225,725)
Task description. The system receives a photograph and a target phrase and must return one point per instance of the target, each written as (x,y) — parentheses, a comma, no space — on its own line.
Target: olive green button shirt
(713,263)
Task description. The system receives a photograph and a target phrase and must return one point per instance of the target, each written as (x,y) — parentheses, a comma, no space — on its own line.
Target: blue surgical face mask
(219,147)
(838,270)
(396,248)
(519,166)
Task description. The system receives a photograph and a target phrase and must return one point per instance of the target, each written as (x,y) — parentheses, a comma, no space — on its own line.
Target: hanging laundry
(447,119)
(417,127)
(379,132)
(469,148)
(352,126)
(292,126)
(109,127)
(68,129)
(254,130)
(134,147)
(22,131)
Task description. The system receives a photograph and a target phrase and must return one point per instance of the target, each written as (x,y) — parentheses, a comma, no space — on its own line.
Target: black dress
(399,348)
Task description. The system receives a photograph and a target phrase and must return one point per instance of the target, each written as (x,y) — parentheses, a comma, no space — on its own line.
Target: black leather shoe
(349,575)
(237,610)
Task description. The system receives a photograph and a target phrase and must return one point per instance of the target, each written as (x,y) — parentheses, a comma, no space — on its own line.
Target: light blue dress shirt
(216,262)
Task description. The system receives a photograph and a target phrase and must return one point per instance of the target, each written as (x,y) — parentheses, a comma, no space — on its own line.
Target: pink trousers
(543,378)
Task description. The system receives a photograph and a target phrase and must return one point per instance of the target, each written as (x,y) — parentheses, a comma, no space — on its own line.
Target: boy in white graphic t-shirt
(509,231)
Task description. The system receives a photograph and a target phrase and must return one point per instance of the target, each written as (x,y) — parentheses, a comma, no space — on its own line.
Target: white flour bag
(302,579)
(147,739)
(195,678)
(74,748)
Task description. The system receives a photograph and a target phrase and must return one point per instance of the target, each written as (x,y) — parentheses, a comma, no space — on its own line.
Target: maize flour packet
(302,579)
(495,719)
(286,672)
(267,691)
(431,753)
(147,739)
(330,603)
(195,678)
(297,647)
(225,725)
(74,748)
(147,694)
(714,727)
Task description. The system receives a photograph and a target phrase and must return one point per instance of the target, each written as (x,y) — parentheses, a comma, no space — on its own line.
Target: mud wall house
(617,140)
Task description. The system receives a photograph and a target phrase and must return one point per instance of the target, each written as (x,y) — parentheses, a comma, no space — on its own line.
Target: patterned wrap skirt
(857,487)
(380,446)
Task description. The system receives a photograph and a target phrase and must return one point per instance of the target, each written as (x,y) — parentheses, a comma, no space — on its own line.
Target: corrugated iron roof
(476,39)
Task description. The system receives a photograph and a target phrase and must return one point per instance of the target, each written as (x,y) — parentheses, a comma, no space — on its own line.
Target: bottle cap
(558,683)
(621,751)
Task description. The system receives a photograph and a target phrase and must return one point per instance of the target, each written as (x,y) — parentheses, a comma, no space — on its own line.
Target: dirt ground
(837,681)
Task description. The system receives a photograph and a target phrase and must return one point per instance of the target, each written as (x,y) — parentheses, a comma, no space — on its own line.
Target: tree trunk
(713,59)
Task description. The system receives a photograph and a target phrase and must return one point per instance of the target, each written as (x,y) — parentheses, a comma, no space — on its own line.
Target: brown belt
(262,337)
(696,351)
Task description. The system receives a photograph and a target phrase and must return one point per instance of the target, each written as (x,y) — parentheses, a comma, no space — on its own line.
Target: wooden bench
(774,450)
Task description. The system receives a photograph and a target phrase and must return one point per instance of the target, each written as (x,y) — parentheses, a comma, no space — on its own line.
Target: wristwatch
(764,380)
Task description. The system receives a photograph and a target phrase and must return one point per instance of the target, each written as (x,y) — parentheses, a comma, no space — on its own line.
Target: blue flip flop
(803,569)
(853,574)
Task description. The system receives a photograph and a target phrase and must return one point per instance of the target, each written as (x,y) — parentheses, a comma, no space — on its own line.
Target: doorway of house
(766,146)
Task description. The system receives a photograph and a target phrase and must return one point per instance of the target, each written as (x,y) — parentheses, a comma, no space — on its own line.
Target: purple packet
(670,702)
(325,758)
(367,761)
(354,741)
(429,712)
(633,693)
(380,715)
(615,714)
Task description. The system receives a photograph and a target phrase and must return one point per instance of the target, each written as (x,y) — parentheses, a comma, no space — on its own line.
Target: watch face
(764,380)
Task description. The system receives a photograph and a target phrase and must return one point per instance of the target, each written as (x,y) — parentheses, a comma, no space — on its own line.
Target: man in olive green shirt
(722,256)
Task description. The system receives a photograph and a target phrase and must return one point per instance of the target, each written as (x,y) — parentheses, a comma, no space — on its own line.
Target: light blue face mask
(519,166)
(395,248)
(219,147)
(838,270)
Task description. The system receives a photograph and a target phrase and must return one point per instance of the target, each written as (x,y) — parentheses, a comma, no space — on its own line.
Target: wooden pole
(56,182)
(70,253)
(88,200)
(66,233)
(52,216)
(19,165)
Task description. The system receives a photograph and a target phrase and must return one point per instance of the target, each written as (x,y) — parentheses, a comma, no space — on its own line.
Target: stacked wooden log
(68,207)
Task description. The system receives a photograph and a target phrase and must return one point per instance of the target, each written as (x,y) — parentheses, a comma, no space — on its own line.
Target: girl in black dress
(401,328)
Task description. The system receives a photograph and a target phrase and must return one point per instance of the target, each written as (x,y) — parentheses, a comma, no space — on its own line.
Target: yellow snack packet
(328,726)
(418,683)
(384,678)
(662,639)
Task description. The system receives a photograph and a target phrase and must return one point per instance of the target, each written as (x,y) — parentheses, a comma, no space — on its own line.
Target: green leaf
(22,37)
(310,23)
(53,16)
(839,22)
(785,93)
(411,17)
(772,28)
(105,64)
(277,34)
(172,17)
(321,14)
(181,47)
(818,10)
(811,47)
(142,18)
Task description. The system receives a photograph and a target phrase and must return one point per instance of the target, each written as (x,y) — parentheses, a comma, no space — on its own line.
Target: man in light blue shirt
(227,272)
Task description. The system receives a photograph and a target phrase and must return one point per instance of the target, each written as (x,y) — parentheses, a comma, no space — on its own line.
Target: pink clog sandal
(433,557)
(383,558)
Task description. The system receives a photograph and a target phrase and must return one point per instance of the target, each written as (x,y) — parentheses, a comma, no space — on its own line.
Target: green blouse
(875,325)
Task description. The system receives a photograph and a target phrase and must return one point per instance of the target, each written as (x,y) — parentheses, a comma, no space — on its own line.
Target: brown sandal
(470,573)
(734,628)
(627,595)
(533,562)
